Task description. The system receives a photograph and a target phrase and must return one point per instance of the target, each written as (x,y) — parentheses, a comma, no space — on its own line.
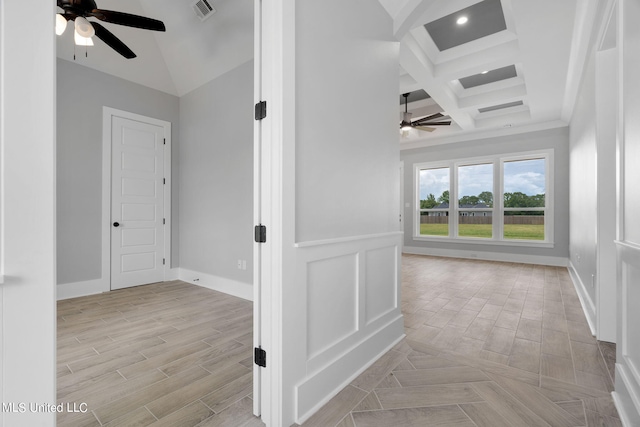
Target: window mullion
(453,201)
(498,200)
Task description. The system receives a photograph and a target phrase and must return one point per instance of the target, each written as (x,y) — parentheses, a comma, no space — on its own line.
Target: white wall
(593,185)
(553,138)
(627,387)
(584,195)
(82,92)
(27,211)
(216,177)
(335,309)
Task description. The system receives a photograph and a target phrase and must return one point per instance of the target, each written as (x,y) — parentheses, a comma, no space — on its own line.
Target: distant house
(483,209)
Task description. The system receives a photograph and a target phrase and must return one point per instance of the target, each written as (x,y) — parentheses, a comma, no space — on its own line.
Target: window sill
(480,241)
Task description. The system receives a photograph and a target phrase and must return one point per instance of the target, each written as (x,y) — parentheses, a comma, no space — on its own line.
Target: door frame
(107,115)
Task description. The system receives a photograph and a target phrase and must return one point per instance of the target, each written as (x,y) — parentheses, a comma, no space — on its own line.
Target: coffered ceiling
(494,66)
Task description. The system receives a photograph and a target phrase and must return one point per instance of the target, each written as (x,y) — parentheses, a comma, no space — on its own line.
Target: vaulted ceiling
(513,66)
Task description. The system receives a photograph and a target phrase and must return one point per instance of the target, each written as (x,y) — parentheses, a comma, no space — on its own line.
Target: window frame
(498,208)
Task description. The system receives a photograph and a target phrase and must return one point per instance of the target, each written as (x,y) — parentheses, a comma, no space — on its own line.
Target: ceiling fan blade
(431,117)
(128,19)
(112,41)
(432,124)
(424,128)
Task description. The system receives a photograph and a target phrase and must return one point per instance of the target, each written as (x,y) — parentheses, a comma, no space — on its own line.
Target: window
(500,200)
(524,199)
(434,202)
(475,201)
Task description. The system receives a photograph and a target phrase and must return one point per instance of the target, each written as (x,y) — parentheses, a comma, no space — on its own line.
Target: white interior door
(137,203)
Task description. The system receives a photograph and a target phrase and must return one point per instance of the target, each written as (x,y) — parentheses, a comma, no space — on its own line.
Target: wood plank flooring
(167,354)
(488,344)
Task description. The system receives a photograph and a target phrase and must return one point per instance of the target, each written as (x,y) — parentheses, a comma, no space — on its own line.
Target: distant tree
(486,197)
(520,200)
(429,202)
(469,200)
(444,198)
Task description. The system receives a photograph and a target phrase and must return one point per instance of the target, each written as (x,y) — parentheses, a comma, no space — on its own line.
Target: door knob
(116,224)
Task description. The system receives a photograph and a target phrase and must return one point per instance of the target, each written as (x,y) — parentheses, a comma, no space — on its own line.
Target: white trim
(630,392)
(485,241)
(220,284)
(107,114)
(312,243)
(498,209)
(356,353)
(588,306)
(624,416)
(81,289)
(217,283)
(489,256)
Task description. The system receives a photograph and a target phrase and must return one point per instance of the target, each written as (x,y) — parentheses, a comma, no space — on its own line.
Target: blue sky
(526,176)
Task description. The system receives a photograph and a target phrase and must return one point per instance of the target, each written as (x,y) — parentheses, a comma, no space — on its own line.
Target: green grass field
(511,231)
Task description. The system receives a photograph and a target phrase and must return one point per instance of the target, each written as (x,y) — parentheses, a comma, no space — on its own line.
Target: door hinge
(260,232)
(260,357)
(164,181)
(164,141)
(164,221)
(162,261)
(261,110)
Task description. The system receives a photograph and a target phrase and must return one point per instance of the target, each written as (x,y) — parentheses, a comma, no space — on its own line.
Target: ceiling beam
(409,15)
(419,66)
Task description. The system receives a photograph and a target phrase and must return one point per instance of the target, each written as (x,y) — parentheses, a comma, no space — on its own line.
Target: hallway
(488,344)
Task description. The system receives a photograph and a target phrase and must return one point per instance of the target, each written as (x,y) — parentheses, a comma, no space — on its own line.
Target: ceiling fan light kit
(61,24)
(79,10)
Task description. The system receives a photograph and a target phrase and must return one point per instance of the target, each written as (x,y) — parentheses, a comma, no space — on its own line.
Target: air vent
(203,9)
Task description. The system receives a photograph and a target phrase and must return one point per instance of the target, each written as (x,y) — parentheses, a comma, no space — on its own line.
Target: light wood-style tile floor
(167,354)
(488,345)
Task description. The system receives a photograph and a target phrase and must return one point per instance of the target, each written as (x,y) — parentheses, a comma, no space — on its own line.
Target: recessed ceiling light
(462,20)
(508,125)
(484,72)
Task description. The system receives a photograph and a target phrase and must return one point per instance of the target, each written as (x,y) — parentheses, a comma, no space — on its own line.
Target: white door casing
(137,224)
(257,205)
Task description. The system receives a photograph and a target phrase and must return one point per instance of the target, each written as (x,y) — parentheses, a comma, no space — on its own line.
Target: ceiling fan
(79,10)
(424,123)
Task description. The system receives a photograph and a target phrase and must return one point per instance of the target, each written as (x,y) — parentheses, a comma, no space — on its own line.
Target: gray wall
(346,154)
(558,139)
(216,176)
(81,94)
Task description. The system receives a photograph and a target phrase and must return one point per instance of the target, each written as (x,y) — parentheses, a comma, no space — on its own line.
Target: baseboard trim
(375,344)
(488,256)
(588,306)
(216,283)
(625,398)
(221,284)
(81,289)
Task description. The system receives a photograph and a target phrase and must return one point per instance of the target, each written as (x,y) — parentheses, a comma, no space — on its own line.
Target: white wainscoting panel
(627,387)
(353,314)
(381,283)
(332,287)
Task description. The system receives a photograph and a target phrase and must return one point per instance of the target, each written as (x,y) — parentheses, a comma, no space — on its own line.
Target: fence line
(508,219)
